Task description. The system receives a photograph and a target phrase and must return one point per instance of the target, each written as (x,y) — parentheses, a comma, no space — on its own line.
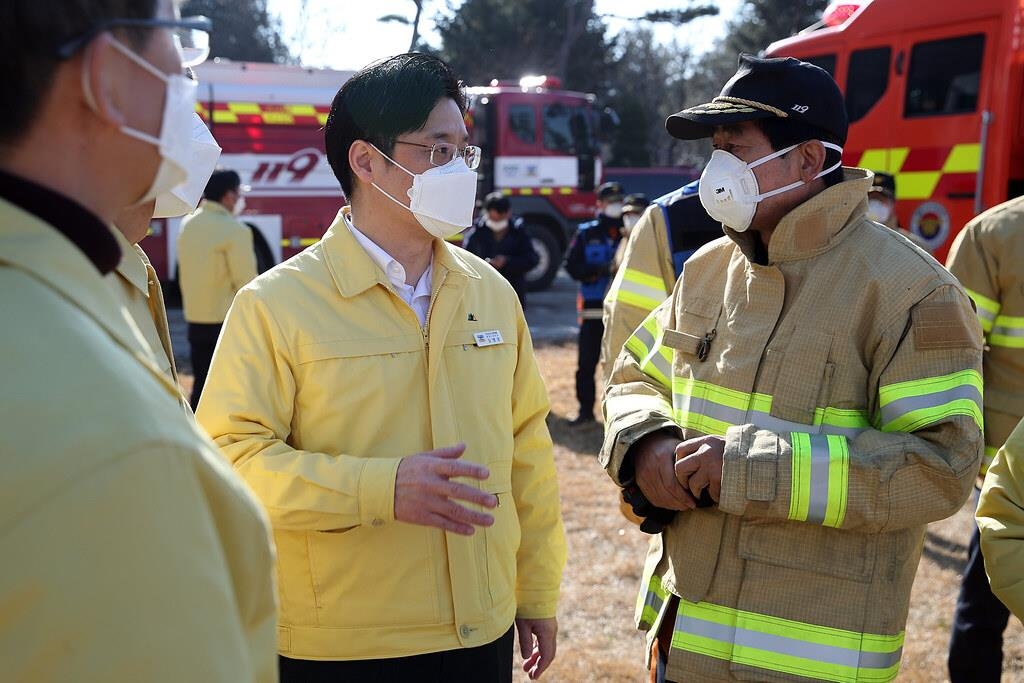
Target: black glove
(656,518)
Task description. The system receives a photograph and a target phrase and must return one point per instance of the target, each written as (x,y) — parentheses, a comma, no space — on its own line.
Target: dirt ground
(597,642)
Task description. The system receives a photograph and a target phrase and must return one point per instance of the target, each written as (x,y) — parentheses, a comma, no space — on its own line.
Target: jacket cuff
(623,433)
(535,604)
(377,491)
(750,470)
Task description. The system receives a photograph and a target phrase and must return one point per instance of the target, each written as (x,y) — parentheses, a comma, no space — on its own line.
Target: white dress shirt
(417,297)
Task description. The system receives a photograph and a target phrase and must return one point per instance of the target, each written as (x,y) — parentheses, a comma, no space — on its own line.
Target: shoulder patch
(943,325)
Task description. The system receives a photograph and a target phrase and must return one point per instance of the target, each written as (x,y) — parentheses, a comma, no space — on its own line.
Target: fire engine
(935,96)
(540,147)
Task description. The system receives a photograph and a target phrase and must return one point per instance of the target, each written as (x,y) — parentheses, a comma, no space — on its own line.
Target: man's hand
(498,261)
(425,494)
(537,643)
(699,465)
(654,460)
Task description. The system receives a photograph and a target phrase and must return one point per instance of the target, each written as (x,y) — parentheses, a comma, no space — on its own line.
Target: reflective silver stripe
(735,416)
(779,426)
(657,295)
(791,647)
(1008,331)
(654,601)
(661,363)
(644,336)
(986,318)
(817,503)
(592,314)
(903,406)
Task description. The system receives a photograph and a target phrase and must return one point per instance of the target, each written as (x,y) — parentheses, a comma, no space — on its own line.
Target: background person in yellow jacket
(380,393)
(215,259)
(130,550)
(1002,523)
(798,433)
(988,259)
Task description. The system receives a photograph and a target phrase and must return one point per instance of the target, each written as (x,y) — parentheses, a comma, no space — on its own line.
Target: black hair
(220,183)
(384,100)
(782,133)
(31,32)
(496,201)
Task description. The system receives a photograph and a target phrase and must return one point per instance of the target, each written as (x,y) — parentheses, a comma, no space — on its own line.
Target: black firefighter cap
(609,191)
(782,87)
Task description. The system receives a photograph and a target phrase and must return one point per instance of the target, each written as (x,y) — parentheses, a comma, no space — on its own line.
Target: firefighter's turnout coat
(845,378)
(988,259)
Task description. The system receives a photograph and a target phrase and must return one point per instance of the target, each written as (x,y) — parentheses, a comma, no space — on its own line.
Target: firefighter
(882,207)
(1002,527)
(655,249)
(130,550)
(987,258)
(137,281)
(590,260)
(804,403)
(380,393)
(501,239)
(216,258)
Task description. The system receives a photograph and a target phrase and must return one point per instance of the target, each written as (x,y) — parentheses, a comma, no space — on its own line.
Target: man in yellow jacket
(1002,524)
(805,402)
(130,550)
(380,394)
(988,259)
(215,259)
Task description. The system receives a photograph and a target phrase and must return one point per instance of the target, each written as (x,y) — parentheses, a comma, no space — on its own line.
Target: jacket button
(465,631)
(377,521)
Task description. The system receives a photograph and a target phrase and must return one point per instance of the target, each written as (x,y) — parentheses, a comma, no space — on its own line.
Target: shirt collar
(79,225)
(393,270)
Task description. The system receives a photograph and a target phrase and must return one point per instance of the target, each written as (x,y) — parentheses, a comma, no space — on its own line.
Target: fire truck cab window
(944,76)
(866,81)
(826,62)
(523,122)
(566,129)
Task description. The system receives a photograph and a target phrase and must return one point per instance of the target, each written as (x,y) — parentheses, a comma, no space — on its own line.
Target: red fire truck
(540,147)
(935,96)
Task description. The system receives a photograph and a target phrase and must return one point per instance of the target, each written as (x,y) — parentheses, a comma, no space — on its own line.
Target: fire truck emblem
(931,222)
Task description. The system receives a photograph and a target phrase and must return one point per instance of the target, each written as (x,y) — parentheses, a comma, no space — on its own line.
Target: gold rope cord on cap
(751,103)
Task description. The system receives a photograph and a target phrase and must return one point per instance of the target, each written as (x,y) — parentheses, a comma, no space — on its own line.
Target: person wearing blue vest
(589,260)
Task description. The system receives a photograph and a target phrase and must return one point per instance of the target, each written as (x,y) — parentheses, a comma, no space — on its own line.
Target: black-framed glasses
(442,152)
(191,36)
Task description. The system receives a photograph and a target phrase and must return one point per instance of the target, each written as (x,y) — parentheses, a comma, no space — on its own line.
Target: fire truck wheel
(550,252)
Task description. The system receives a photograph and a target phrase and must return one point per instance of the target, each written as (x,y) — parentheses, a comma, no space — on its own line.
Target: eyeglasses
(442,152)
(191,36)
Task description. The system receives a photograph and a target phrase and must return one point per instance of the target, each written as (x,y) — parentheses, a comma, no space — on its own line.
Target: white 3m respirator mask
(204,153)
(728,187)
(441,198)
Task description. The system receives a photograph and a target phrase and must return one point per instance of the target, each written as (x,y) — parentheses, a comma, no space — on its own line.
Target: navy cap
(781,87)
(635,203)
(609,191)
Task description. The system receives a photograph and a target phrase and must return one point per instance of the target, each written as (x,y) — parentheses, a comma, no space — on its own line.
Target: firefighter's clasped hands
(671,473)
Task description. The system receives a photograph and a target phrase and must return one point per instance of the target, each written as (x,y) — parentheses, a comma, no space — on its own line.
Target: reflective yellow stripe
(908,406)
(654,359)
(650,603)
(784,645)
(713,409)
(821,474)
(1007,331)
(988,309)
(639,289)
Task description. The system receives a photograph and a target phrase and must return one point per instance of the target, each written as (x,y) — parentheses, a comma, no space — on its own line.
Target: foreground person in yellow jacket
(131,551)
(805,402)
(380,394)
(1001,522)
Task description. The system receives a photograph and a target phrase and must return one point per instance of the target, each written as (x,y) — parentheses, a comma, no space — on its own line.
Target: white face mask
(613,210)
(441,198)
(175,126)
(204,153)
(496,226)
(879,210)
(628,221)
(728,187)
(239,205)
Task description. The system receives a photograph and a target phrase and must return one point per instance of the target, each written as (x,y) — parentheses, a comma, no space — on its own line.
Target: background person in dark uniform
(590,260)
(500,238)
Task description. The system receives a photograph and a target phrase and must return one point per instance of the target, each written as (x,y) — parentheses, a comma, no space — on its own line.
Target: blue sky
(328,33)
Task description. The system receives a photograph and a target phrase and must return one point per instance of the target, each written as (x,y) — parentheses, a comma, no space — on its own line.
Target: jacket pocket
(355,348)
(810,548)
(696,329)
(804,380)
(501,546)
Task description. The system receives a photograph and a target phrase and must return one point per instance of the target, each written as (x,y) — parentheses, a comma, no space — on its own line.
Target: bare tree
(414,23)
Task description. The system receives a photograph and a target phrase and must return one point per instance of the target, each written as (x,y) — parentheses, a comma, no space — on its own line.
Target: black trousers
(976,644)
(491,663)
(202,340)
(589,343)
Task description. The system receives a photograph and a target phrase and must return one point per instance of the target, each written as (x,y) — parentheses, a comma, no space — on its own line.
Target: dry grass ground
(597,642)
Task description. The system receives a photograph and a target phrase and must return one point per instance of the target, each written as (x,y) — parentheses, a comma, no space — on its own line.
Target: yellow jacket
(845,378)
(322,381)
(1001,522)
(988,259)
(215,260)
(138,288)
(130,550)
